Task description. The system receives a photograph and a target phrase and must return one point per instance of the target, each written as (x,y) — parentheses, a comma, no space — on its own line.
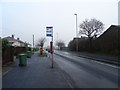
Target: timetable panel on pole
(49,31)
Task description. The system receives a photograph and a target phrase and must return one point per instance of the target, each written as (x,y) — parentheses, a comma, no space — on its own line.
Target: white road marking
(107,64)
(113,66)
(103,63)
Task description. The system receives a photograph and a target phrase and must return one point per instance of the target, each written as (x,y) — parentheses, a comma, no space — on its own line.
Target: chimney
(18,38)
(12,36)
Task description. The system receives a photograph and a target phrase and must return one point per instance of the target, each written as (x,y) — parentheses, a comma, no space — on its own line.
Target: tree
(60,43)
(91,28)
(40,42)
(72,45)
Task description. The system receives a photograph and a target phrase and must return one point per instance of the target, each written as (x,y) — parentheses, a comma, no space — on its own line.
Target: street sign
(49,31)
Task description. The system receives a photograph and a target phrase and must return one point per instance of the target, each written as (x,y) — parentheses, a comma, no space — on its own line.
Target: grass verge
(43,55)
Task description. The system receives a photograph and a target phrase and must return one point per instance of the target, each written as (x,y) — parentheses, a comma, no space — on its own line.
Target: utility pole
(33,42)
(57,40)
(57,36)
(76,33)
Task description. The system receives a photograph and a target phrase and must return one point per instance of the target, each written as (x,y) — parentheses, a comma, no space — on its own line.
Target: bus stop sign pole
(50,34)
(51,51)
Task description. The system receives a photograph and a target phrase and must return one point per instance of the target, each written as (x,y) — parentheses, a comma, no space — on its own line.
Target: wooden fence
(9,53)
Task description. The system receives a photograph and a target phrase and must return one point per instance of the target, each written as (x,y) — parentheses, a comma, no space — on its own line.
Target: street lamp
(76,34)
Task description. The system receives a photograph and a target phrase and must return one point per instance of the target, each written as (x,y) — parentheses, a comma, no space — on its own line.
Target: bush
(28,49)
(35,49)
(5,44)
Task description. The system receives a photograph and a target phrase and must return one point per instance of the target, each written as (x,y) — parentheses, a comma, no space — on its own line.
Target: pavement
(37,74)
(8,67)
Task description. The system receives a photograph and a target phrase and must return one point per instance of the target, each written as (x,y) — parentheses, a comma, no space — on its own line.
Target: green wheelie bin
(22,59)
(29,54)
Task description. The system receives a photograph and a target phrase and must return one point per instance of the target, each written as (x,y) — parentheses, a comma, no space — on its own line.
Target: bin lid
(28,51)
(22,54)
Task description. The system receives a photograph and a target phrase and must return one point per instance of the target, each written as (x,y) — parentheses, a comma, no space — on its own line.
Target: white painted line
(113,66)
(102,63)
(106,64)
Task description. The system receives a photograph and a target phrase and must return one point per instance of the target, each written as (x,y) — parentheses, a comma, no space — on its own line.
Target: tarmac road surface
(86,73)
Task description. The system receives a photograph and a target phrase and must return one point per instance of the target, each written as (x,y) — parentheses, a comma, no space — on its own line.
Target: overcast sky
(25,18)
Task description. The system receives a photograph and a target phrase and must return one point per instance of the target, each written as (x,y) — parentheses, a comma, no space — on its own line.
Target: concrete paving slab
(37,74)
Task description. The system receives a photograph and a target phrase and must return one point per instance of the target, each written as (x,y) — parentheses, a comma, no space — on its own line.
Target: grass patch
(66,50)
(32,53)
(43,55)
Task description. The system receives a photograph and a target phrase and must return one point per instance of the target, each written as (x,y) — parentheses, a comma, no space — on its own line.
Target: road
(86,73)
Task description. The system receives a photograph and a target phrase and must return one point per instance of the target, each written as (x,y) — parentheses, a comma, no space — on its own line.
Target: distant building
(64,48)
(80,38)
(15,42)
(28,44)
(112,32)
(110,39)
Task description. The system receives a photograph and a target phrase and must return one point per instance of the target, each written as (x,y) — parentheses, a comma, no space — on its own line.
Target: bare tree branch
(60,43)
(40,42)
(90,28)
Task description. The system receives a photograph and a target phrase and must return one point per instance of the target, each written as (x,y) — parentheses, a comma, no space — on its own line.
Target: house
(80,38)
(15,42)
(111,33)
(110,39)
(28,44)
